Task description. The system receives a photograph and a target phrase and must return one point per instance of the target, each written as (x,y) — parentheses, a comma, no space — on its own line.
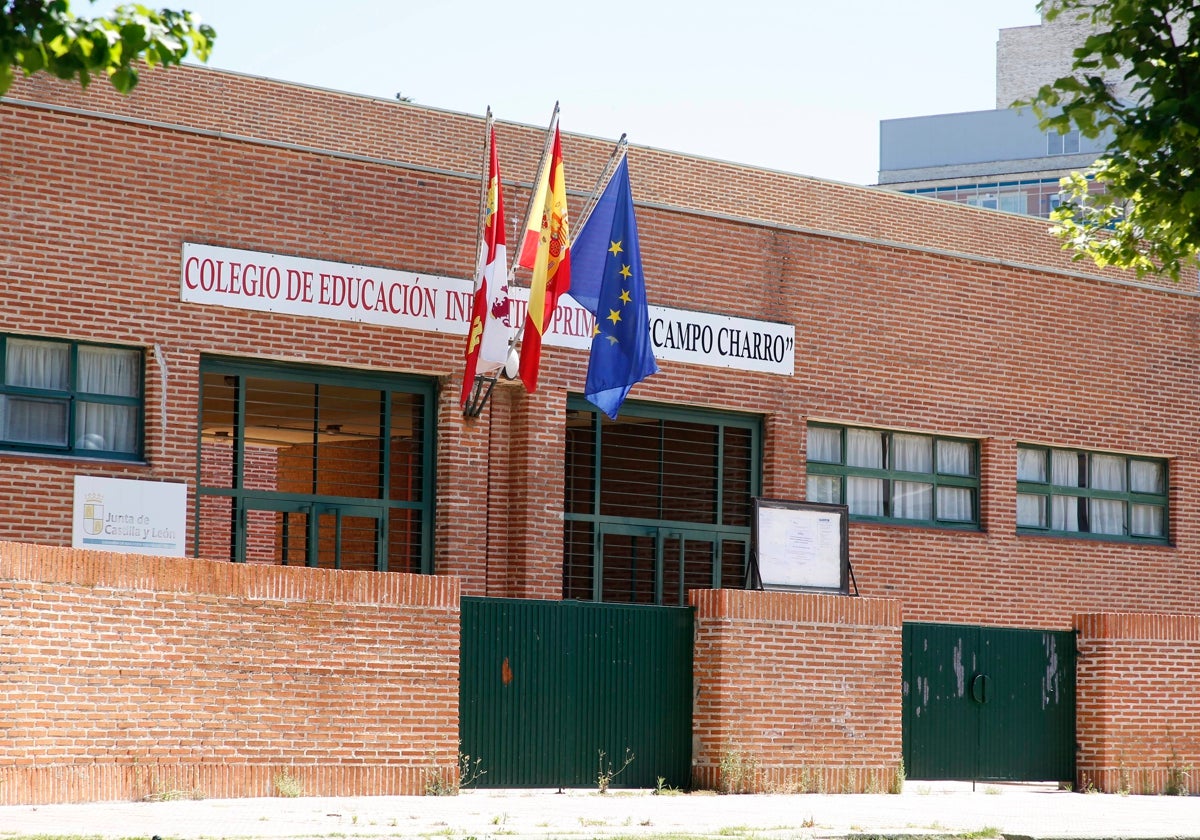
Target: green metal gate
(988,703)
(547,686)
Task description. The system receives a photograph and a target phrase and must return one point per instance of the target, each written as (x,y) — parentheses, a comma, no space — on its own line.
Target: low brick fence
(130,677)
(796,692)
(126,676)
(1138,712)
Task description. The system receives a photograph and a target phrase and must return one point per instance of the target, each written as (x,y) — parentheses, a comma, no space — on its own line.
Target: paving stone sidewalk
(1032,811)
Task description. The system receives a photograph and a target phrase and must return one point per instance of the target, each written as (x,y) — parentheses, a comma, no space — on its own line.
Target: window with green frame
(884,475)
(1074,492)
(71,397)
(315,466)
(657,502)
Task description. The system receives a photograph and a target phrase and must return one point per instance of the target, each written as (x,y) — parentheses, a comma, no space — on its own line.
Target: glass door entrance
(302,533)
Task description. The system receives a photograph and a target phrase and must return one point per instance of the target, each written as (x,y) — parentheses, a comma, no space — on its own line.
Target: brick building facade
(1013,432)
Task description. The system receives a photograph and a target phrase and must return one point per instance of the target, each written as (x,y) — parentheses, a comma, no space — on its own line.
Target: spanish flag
(551,264)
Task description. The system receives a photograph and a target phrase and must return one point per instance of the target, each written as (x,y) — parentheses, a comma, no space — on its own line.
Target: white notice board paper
(802,545)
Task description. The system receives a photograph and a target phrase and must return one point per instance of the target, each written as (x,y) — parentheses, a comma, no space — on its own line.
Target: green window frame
(317,466)
(72,398)
(885,475)
(657,502)
(1092,494)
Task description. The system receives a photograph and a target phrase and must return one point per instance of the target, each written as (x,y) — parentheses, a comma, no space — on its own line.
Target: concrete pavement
(1033,811)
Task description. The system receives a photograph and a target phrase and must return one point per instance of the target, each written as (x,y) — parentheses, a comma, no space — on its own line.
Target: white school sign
(265,282)
(130,516)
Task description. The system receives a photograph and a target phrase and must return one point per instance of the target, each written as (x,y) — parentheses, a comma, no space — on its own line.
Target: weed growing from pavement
(288,785)
(165,794)
(606,774)
(738,772)
(439,783)
(661,788)
(1177,781)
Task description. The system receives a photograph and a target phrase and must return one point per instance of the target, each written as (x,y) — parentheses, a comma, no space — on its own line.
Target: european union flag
(606,279)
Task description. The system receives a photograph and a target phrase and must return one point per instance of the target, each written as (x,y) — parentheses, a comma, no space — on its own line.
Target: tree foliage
(45,36)
(1147,216)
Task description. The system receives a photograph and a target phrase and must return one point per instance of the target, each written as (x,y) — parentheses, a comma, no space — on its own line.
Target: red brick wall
(1137,725)
(796,692)
(213,101)
(909,313)
(127,676)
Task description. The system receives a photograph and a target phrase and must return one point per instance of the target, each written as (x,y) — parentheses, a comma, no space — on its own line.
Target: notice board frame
(801,547)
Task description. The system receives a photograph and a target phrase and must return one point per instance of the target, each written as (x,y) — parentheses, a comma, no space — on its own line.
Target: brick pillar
(535,467)
(462,524)
(784,445)
(796,692)
(1137,679)
(998,487)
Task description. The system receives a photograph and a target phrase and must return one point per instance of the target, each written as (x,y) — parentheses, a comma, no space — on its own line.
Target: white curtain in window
(1148,521)
(864,448)
(1064,513)
(824,488)
(1031,465)
(864,496)
(1106,516)
(954,503)
(107,370)
(1145,477)
(1064,470)
(106,427)
(954,457)
(33,420)
(824,445)
(1107,472)
(36,364)
(912,500)
(1031,510)
(912,453)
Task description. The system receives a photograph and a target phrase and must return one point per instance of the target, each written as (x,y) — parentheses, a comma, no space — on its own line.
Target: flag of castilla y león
(489,335)
(611,285)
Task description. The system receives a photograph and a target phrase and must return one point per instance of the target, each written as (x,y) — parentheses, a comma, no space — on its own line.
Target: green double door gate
(554,693)
(987,703)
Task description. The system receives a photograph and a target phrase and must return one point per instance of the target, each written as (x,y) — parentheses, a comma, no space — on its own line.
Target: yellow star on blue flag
(606,279)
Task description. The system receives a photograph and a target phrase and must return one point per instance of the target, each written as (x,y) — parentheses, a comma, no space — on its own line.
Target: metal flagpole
(482,388)
(621,149)
(481,217)
(509,367)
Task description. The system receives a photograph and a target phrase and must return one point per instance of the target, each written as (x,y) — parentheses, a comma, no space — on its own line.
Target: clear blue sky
(796,85)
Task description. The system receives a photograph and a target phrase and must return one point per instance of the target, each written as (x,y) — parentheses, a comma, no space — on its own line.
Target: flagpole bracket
(480,393)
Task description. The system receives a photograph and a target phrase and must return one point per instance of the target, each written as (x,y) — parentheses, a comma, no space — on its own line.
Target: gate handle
(979,688)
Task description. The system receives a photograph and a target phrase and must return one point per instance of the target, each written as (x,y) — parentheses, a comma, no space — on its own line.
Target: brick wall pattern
(1137,722)
(796,693)
(125,676)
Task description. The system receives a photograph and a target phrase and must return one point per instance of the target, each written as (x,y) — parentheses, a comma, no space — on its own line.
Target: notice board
(801,545)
